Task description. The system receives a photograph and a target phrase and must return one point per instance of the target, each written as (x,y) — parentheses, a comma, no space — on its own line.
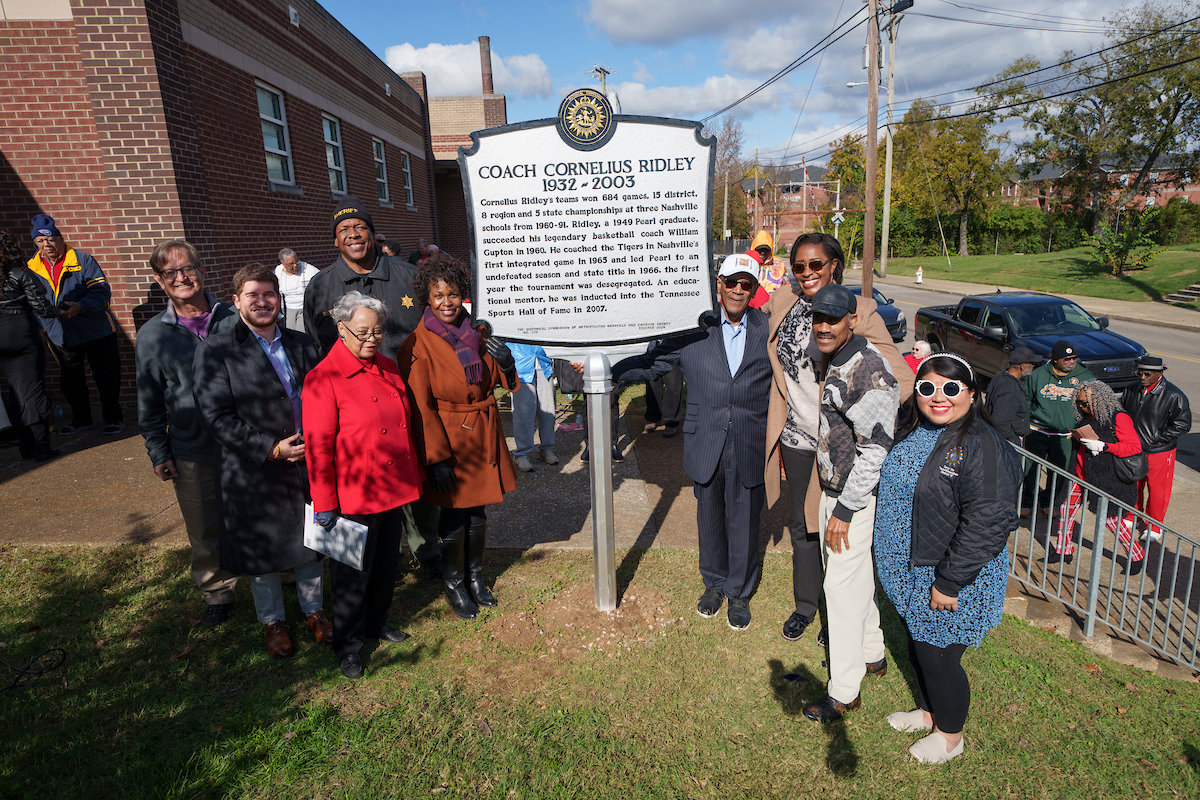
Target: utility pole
(725,213)
(756,199)
(872,145)
(893,24)
(837,207)
(602,74)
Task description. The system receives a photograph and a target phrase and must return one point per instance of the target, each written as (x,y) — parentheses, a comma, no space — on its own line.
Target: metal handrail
(1151,609)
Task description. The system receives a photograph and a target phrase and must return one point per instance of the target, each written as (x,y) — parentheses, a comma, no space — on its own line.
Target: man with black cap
(361,266)
(1006,403)
(728,375)
(859,401)
(1050,391)
(1161,414)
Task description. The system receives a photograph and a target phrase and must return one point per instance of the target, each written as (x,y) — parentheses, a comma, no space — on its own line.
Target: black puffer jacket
(1160,415)
(965,504)
(22,293)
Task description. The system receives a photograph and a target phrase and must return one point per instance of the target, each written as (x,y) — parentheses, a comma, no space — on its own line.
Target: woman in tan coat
(794,408)
(452,371)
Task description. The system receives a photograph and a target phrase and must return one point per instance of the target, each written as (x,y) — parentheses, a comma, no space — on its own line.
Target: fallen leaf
(44,570)
(33,628)
(1120,709)
(216,728)
(1014,707)
(1170,691)
(182,653)
(1129,687)
(439,789)
(137,628)
(1095,713)
(193,621)
(290,735)
(1092,668)
(3,644)
(64,682)
(484,728)
(1071,726)
(1146,763)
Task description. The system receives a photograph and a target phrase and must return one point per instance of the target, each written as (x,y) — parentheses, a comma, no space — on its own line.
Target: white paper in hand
(346,541)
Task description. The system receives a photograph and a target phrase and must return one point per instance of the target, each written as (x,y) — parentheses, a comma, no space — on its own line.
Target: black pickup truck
(986,328)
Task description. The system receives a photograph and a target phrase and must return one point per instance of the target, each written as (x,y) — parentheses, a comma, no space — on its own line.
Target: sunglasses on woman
(951,389)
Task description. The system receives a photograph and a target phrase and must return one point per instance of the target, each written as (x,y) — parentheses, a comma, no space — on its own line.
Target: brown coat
(456,420)
(870,325)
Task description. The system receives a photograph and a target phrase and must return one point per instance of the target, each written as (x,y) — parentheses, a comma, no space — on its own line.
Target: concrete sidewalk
(1163,315)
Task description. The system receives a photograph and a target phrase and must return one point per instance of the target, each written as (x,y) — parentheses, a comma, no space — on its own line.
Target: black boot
(42,451)
(476,541)
(453,543)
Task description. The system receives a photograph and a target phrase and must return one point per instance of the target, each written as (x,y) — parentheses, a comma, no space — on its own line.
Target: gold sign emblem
(585,119)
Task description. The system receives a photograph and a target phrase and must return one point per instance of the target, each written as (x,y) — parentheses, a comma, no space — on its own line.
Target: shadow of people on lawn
(792,689)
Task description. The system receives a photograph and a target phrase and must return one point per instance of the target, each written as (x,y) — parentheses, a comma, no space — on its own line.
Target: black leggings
(452,519)
(942,686)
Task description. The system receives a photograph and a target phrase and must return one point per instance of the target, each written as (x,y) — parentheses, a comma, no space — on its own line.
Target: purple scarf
(463,338)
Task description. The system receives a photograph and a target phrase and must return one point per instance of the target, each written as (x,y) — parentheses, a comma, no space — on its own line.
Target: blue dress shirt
(735,342)
(283,368)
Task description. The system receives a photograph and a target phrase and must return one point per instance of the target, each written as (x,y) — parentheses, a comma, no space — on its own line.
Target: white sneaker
(908,721)
(932,749)
(548,456)
(523,464)
(1152,536)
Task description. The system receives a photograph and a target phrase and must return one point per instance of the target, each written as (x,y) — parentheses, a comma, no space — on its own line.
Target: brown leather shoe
(321,627)
(829,710)
(877,669)
(279,640)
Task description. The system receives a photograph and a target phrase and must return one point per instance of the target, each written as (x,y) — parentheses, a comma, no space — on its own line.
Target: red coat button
(387,463)
(374,399)
(383,430)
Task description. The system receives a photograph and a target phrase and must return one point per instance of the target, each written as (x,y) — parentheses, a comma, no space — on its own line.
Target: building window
(381,186)
(333,154)
(275,135)
(1149,202)
(406,167)
(1154,176)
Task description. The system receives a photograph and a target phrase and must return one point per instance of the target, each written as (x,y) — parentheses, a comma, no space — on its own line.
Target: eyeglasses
(814,265)
(1147,373)
(169,275)
(951,389)
(365,336)
(733,283)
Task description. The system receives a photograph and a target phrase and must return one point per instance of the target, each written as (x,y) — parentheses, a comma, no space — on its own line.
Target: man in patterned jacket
(858,419)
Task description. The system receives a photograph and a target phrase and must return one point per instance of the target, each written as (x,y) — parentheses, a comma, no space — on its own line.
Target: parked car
(893,317)
(984,329)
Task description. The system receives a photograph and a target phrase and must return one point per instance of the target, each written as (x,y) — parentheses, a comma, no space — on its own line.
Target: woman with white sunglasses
(947,503)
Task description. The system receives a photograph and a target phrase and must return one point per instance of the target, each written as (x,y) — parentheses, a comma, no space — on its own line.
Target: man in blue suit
(728,377)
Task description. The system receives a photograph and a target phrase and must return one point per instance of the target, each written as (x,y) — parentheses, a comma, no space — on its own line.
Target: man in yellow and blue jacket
(86,331)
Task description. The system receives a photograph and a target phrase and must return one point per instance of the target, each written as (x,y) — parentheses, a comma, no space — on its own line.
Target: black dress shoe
(829,710)
(215,614)
(1135,567)
(616,453)
(795,626)
(738,614)
(710,603)
(352,666)
(390,634)
(1053,557)
(823,637)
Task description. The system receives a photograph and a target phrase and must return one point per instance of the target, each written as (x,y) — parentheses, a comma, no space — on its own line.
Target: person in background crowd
(774,270)
(363,465)
(416,255)
(728,376)
(431,251)
(794,408)
(664,399)
(1161,414)
(294,276)
(760,294)
(1006,404)
(452,371)
(360,266)
(1096,406)
(920,352)
(1050,393)
(22,359)
(947,501)
(390,247)
(181,450)
(247,381)
(533,405)
(859,400)
(84,331)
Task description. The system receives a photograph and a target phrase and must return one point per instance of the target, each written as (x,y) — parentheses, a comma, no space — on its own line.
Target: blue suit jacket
(722,411)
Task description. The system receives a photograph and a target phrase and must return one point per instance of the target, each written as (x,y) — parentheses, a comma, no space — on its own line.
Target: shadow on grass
(1086,270)
(1192,754)
(794,688)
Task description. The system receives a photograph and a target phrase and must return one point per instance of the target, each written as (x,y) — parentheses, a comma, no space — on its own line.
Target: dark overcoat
(245,408)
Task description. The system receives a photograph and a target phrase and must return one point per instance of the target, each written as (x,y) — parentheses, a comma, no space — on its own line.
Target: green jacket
(1052,398)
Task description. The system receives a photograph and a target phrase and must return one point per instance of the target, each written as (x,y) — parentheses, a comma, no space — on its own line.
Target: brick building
(1046,185)
(236,124)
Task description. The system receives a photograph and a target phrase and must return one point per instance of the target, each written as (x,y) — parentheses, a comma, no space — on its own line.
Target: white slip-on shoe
(932,749)
(908,721)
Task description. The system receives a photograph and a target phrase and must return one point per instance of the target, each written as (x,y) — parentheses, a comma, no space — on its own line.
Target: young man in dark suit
(724,434)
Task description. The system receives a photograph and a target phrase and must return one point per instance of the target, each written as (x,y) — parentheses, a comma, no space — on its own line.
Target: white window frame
(378,152)
(281,121)
(338,145)
(406,168)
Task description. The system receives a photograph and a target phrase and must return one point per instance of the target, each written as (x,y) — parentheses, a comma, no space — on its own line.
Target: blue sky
(689,58)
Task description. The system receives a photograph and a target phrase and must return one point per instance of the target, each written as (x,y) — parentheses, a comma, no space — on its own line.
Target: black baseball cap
(834,300)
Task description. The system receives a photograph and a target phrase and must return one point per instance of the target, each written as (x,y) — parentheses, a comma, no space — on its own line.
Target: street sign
(838,218)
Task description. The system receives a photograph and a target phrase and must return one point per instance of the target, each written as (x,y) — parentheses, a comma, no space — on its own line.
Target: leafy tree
(1122,253)
(1130,107)
(848,163)
(729,169)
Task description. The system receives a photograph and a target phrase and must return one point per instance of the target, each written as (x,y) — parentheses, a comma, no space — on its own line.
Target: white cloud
(688,102)
(454,69)
(640,73)
(661,22)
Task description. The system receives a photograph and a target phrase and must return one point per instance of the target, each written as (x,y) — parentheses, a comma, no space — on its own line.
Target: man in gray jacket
(179,447)
(1005,402)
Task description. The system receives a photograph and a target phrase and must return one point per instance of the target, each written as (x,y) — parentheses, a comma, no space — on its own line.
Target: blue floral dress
(980,605)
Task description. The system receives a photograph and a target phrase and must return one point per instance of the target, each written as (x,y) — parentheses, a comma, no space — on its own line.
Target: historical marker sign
(590,229)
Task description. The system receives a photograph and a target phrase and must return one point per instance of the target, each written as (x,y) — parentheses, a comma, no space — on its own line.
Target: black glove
(326,519)
(500,353)
(441,475)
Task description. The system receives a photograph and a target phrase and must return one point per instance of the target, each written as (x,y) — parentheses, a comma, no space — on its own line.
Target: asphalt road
(1180,351)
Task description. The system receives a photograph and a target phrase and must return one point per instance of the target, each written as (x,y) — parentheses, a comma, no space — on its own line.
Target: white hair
(285,254)
(344,309)
(921,349)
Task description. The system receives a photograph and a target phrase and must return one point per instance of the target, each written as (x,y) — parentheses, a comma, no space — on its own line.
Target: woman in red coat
(363,464)
(452,372)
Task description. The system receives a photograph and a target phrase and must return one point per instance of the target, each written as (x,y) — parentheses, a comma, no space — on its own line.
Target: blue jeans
(533,407)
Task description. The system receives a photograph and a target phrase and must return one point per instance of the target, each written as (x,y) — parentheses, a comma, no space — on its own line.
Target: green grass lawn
(541,698)
(1065,272)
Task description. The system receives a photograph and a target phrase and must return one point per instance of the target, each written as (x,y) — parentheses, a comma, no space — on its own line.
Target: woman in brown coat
(794,407)
(452,371)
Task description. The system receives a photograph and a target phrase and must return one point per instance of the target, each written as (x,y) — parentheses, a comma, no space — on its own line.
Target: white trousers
(855,637)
